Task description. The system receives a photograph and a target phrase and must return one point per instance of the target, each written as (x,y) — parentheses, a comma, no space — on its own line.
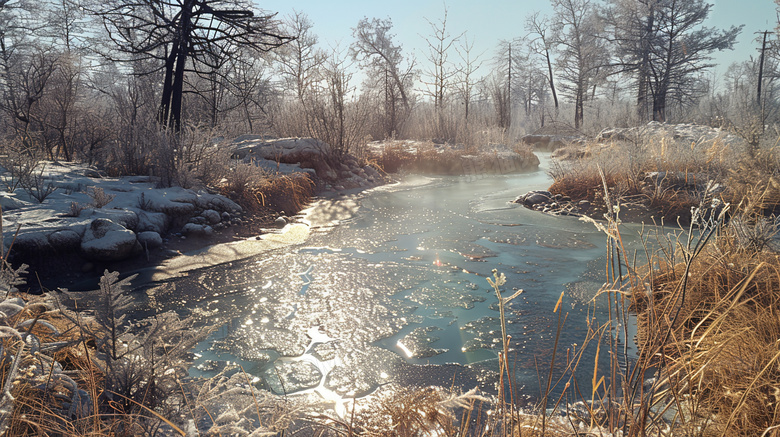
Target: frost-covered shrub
(18,165)
(38,186)
(27,345)
(142,363)
(99,197)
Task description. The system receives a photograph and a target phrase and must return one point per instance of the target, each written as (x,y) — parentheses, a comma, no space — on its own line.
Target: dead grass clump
(414,411)
(435,161)
(711,324)
(754,184)
(394,158)
(526,152)
(583,182)
(288,193)
(667,176)
(675,204)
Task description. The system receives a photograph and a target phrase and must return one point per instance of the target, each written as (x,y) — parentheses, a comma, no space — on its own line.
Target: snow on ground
(101,218)
(693,133)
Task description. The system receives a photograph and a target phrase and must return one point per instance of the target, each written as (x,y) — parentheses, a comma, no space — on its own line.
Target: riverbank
(273,303)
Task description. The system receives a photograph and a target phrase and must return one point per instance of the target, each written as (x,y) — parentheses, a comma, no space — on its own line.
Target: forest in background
(140,87)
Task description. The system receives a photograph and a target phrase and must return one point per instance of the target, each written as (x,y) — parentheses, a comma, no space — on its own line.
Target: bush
(38,186)
(19,164)
(708,318)
(99,197)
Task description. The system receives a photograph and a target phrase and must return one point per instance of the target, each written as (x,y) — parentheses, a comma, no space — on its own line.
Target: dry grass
(288,193)
(394,157)
(710,322)
(427,158)
(754,183)
(257,190)
(668,177)
(423,157)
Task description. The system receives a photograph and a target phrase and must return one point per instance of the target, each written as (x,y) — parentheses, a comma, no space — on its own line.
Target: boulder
(64,239)
(152,221)
(105,240)
(33,243)
(192,229)
(534,197)
(125,217)
(92,173)
(211,216)
(150,239)
(204,200)
(304,151)
(9,203)
(540,140)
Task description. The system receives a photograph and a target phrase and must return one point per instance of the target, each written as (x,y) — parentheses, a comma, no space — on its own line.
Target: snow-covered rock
(105,240)
(285,150)
(125,217)
(8,203)
(33,243)
(212,216)
(64,239)
(306,153)
(534,197)
(149,239)
(279,167)
(152,221)
(692,133)
(68,222)
(192,229)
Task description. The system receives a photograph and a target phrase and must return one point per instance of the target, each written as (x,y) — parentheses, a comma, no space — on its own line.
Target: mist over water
(390,287)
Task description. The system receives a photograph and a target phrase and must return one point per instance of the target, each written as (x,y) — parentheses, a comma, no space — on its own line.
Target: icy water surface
(390,287)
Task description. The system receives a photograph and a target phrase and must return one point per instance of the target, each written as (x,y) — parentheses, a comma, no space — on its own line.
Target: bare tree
(466,80)
(334,116)
(440,72)
(185,35)
(375,49)
(663,44)
(239,85)
(582,52)
(300,60)
(544,45)
(500,83)
(25,67)
(682,48)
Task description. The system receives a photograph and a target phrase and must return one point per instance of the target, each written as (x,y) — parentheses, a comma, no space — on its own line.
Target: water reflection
(396,292)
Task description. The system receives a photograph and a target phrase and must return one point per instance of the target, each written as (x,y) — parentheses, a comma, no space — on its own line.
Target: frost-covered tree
(440,72)
(301,60)
(582,54)
(542,43)
(390,74)
(664,45)
(465,81)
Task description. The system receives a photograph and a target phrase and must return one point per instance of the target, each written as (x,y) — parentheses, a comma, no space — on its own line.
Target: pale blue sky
(491,20)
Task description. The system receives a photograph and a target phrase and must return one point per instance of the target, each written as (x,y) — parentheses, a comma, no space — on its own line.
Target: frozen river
(389,286)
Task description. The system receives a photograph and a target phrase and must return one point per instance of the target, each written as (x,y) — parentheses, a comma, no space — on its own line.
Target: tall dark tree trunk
(761,70)
(659,105)
(165,103)
(550,80)
(643,72)
(579,106)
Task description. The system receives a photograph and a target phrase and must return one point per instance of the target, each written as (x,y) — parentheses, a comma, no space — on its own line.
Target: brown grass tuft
(712,324)
(288,193)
